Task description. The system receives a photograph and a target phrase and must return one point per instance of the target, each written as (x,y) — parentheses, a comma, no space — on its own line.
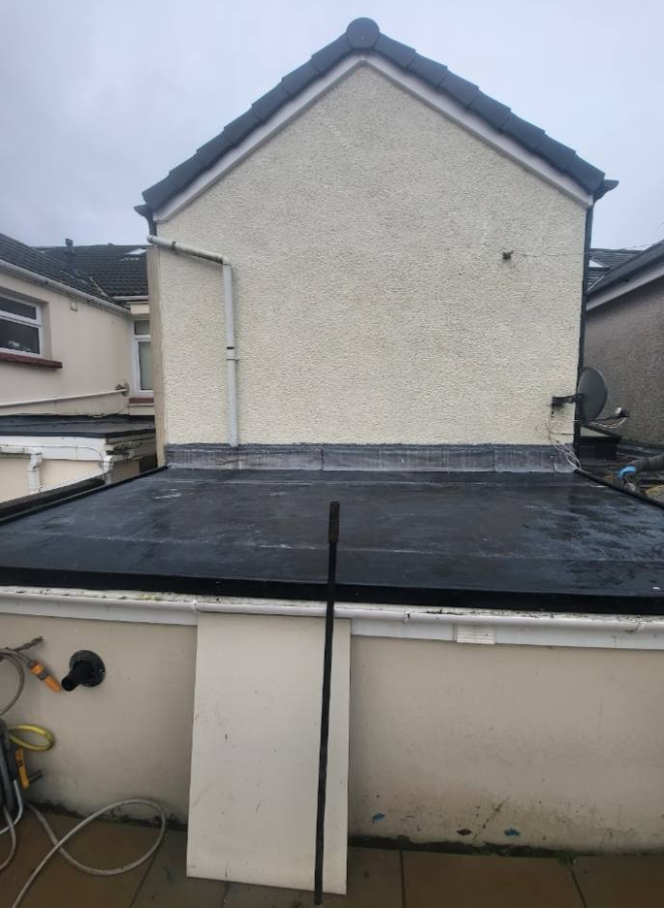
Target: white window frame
(137,340)
(36,322)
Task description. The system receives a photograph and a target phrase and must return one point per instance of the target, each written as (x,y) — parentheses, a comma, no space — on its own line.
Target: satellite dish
(592,393)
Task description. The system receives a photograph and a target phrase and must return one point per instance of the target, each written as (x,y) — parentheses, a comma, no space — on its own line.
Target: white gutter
(467,626)
(123,389)
(63,288)
(229,321)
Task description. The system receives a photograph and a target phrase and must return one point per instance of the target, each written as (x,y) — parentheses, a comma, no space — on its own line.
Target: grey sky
(100,98)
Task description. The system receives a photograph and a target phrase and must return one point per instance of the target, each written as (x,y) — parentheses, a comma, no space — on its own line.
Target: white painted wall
(559,744)
(373,301)
(93,344)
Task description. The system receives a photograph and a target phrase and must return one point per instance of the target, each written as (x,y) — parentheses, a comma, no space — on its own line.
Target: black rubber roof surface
(363,35)
(554,542)
(81,426)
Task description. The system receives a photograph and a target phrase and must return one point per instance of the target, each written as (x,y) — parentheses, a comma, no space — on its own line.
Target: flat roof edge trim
(464,626)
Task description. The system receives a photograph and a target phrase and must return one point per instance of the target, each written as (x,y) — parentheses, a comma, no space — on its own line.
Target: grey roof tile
(328,57)
(118,269)
(394,51)
(43,263)
(623,273)
(364,35)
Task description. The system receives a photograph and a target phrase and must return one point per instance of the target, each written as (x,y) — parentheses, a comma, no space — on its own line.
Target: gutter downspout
(582,331)
(229,321)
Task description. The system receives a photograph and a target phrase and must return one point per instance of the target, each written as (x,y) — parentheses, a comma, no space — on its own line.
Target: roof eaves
(653,255)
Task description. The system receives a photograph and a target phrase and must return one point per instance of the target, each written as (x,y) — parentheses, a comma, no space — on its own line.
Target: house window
(20,327)
(143,356)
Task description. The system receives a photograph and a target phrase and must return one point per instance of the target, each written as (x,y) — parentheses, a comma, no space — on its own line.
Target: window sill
(138,401)
(23,359)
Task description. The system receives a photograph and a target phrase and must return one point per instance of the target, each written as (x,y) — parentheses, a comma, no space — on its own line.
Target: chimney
(70,257)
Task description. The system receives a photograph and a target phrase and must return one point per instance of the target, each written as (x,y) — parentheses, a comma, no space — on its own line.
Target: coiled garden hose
(21,664)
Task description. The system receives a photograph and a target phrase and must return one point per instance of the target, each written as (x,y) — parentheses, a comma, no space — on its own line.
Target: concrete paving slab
(480,881)
(166,884)
(621,881)
(60,885)
(374,881)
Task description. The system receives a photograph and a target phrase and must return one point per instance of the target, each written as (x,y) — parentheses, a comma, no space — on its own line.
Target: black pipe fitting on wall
(86,669)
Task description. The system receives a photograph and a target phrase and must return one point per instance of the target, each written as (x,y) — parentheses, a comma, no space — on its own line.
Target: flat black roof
(79,426)
(546,541)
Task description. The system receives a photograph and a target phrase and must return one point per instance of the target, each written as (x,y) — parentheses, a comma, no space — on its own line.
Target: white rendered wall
(373,303)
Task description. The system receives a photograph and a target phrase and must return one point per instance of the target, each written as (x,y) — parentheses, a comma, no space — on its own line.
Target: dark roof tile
(492,111)
(45,264)
(270,102)
(623,273)
(364,35)
(460,89)
(324,60)
(527,135)
(394,51)
(428,70)
(120,270)
(300,78)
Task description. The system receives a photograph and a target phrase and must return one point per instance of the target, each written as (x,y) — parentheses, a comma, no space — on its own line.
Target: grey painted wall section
(373,304)
(625,340)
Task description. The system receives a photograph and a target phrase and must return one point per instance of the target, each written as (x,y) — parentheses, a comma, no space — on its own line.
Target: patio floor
(377,879)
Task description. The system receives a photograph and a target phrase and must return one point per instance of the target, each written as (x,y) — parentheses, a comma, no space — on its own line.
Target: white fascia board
(68,447)
(462,626)
(437,100)
(623,287)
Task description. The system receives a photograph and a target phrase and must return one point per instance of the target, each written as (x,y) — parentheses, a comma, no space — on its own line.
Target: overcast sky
(100,98)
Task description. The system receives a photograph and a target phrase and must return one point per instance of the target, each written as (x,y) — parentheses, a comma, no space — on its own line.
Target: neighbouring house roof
(112,426)
(119,269)
(601,261)
(40,263)
(364,36)
(497,540)
(630,269)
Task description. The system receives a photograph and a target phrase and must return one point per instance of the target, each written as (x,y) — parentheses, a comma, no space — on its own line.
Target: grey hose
(59,843)
(8,655)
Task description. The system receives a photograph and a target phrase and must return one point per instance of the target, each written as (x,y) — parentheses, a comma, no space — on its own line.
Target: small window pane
(15,308)
(142,326)
(18,338)
(145,365)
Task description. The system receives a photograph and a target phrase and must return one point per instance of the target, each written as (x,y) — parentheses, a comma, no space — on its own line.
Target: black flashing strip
(28,505)
(46,503)
(364,35)
(504,600)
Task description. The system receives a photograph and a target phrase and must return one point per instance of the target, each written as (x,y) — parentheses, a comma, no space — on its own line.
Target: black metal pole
(333,539)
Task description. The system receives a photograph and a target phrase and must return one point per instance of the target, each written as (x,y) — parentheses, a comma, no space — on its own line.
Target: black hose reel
(85,669)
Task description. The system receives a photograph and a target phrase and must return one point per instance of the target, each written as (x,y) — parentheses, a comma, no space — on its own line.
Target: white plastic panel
(254,770)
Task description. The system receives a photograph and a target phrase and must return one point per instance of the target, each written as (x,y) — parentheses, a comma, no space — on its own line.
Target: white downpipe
(229,320)
(124,390)
(34,473)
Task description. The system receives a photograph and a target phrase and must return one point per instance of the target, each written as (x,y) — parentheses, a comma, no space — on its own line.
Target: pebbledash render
(403,260)
(403,275)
